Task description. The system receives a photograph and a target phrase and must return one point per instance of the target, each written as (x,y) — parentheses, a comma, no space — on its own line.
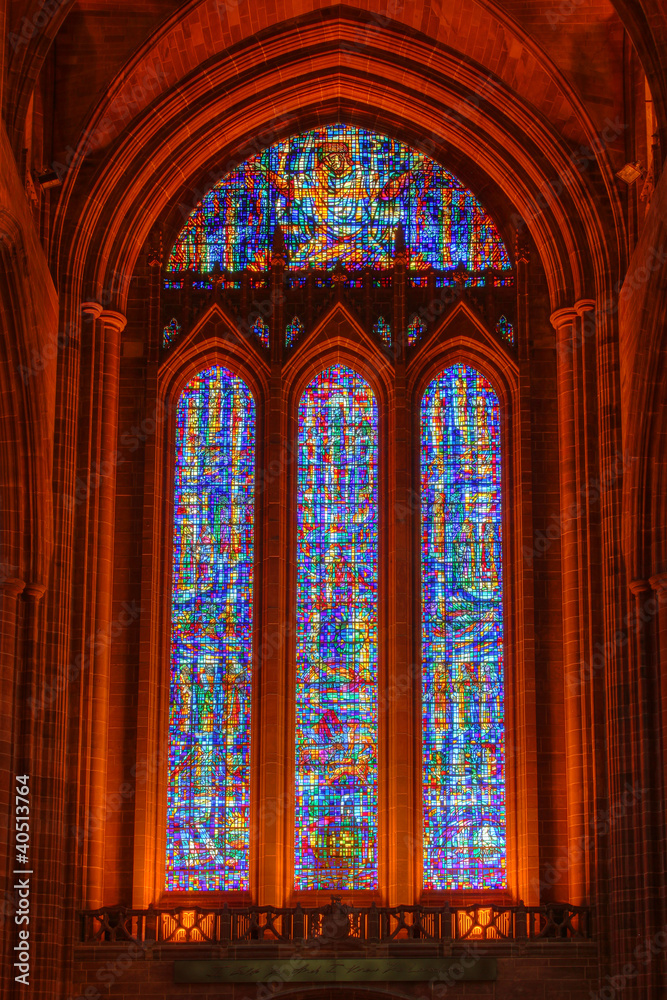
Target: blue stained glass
(383,329)
(211,647)
(339,192)
(261,330)
(170,332)
(415,330)
(336,637)
(462,634)
(505,329)
(293,331)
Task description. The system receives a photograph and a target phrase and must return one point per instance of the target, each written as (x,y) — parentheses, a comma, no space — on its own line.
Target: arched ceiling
(155,96)
(581,39)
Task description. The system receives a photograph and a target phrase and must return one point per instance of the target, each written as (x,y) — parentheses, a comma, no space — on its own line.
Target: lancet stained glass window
(336,635)
(462,634)
(339,193)
(211,644)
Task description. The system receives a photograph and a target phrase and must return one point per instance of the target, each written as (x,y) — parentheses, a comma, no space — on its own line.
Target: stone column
(659,584)
(573,525)
(399,808)
(31,697)
(618,854)
(522,813)
(273,675)
(101,440)
(651,656)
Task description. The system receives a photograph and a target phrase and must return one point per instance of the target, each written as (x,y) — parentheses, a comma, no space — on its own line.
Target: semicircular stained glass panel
(339,192)
(208,830)
(463,731)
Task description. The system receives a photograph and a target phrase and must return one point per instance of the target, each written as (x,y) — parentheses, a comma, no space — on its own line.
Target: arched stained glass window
(339,192)
(336,637)
(462,634)
(211,644)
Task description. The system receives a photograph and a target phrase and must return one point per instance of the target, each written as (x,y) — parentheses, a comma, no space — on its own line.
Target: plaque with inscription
(338,970)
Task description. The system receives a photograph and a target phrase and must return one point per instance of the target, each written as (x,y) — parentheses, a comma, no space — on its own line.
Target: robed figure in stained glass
(338,193)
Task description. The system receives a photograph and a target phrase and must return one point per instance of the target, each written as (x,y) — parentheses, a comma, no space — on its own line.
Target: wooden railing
(335,923)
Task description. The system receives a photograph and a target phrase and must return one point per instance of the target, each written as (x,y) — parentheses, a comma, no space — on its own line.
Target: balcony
(338,926)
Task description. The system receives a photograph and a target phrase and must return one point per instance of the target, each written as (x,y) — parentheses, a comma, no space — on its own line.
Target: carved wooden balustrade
(336,923)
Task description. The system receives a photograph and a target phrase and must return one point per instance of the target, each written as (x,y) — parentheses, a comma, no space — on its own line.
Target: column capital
(109,317)
(12,587)
(658,582)
(91,309)
(584,306)
(563,317)
(34,591)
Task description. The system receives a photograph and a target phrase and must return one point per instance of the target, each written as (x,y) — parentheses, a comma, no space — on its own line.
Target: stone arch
(523,171)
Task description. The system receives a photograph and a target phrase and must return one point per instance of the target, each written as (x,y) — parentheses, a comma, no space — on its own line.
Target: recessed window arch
(463,731)
(208,835)
(338,193)
(336,786)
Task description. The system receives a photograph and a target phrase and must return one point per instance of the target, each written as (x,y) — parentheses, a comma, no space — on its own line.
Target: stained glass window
(261,330)
(415,330)
(170,332)
(211,644)
(462,634)
(505,329)
(293,331)
(383,329)
(339,192)
(336,635)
